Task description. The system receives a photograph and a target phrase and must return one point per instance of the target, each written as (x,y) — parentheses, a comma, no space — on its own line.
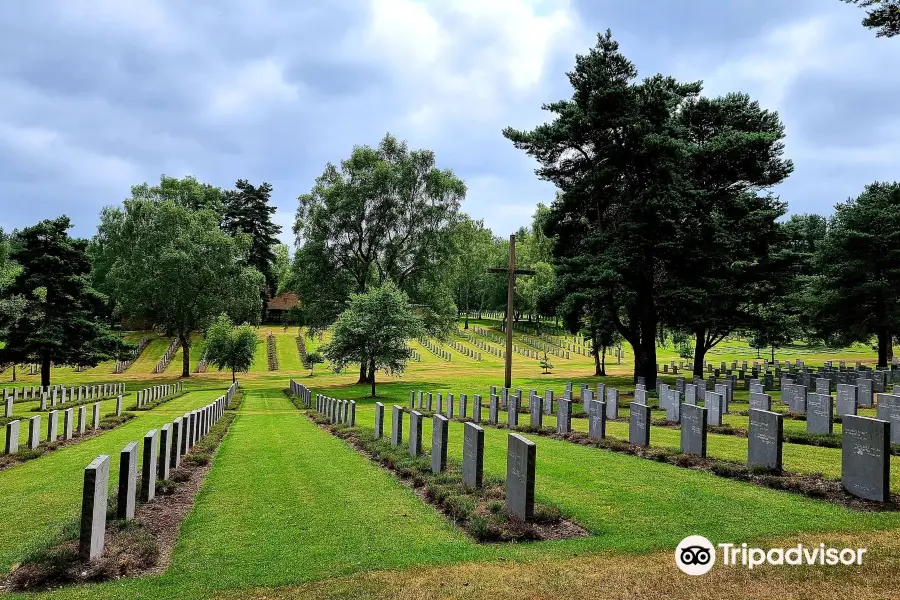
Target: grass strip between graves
(812,485)
(236,400)
(107,422)
(132,548)
(70,404)
(480,512)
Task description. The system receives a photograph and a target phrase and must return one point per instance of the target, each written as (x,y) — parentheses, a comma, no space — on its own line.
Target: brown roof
(285,301)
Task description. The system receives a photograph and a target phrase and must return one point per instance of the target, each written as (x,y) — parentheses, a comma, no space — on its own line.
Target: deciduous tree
(229,346)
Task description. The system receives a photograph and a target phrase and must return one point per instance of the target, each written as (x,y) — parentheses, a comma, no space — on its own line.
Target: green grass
(286,502)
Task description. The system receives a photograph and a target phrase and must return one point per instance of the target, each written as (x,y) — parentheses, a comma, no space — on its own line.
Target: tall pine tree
(60,318)
(247,211)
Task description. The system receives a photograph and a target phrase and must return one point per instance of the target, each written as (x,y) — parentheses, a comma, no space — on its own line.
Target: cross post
(511,273)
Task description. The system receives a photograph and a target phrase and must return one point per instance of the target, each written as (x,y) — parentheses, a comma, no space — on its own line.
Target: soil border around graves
(135,548)
(24,455)
(479,513)
(812,486)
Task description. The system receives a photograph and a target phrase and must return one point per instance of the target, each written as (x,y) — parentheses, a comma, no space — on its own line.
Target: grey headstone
(548,402)
(534,407)
(512,418)
(439,430)
(612,404)
(520,470)
(714,404)
(564,416)
(639,424)
(865,394)
(463,406)
(473,455)
(673,406)
(493,410)
(148,466)
(94,498)
(12,437)
(866,451)
(127,482)
(823,386)
(693,429)
(889,410)
(68,424)
(415,433)
(379,420)
(765,439)
(846,399)
(597,420)
(34,432)
(760,401)
(797,403)
(476,409)
(52,425)
(690,393)
(819,413)
(396,426)
(165,450)
(82,419)
(175,452)
(640,396)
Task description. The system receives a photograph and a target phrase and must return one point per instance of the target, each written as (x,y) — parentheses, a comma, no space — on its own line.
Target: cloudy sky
(97,95)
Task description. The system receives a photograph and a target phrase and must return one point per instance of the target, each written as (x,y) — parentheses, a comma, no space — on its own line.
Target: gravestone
(537,415)
(351,413)
(439,431)
(119,406)
(714,403)
(846,399)
(440,403)
(493,417)
(639,424)
(673,406)
(379,420)
(512,418)
(429,400)
(68,423)
(82,419)
(34,432)
(612,404)
(412,399)
(564,416)
(797,403)
(463,406)
(12,437)
(819,414)
(520,470)
(127,482)
(165,450)
(8,410)
(52,425)
(865,457)
(473,455)
(92,536)
(640,396)
(865,395)
(765,439)
(476,409)
(449,406)
(889,410)
(548,402)
(690,393)
(693,429)
(397,426)
(760,401)
(148,466)
(177,433)
(597,420)
(415,433)
(823,385)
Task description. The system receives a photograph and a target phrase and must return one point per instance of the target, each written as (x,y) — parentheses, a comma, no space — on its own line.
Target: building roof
(285,301)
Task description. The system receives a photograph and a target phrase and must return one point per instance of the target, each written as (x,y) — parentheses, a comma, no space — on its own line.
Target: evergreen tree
(882,15)
(247,210)
(856,294)
(60,318)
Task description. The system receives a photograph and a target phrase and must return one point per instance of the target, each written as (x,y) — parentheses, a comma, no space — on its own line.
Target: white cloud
(252,88)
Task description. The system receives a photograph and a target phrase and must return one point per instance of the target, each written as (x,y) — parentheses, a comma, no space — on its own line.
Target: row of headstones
(124,365)
(162,451)
(545,347)
(53,433)
(520,457)
(164,361)
(158,392)
(465,351)
(487,347)
(60,395)
(337,411)
(439,352)
(298,389)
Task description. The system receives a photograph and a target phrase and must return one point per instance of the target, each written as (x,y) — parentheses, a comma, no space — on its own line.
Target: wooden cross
(511,272)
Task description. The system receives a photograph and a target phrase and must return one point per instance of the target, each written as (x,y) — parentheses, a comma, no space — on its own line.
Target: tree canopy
(174,268)
(247,210)
(51,314)
(229,346)
(881,15)
(374,330)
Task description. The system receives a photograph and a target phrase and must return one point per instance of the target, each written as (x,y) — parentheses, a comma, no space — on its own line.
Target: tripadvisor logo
(696,555)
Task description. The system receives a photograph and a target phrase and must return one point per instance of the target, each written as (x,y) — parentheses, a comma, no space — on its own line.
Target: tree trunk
(773,353)
(363,373)
(45,371)
(603,365)
(597,369)
(186,356)
(233,377)
(14,372)
(884,346)
(373,384)
(699,352)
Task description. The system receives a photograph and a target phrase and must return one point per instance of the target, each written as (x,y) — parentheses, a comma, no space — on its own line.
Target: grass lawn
(287,504)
